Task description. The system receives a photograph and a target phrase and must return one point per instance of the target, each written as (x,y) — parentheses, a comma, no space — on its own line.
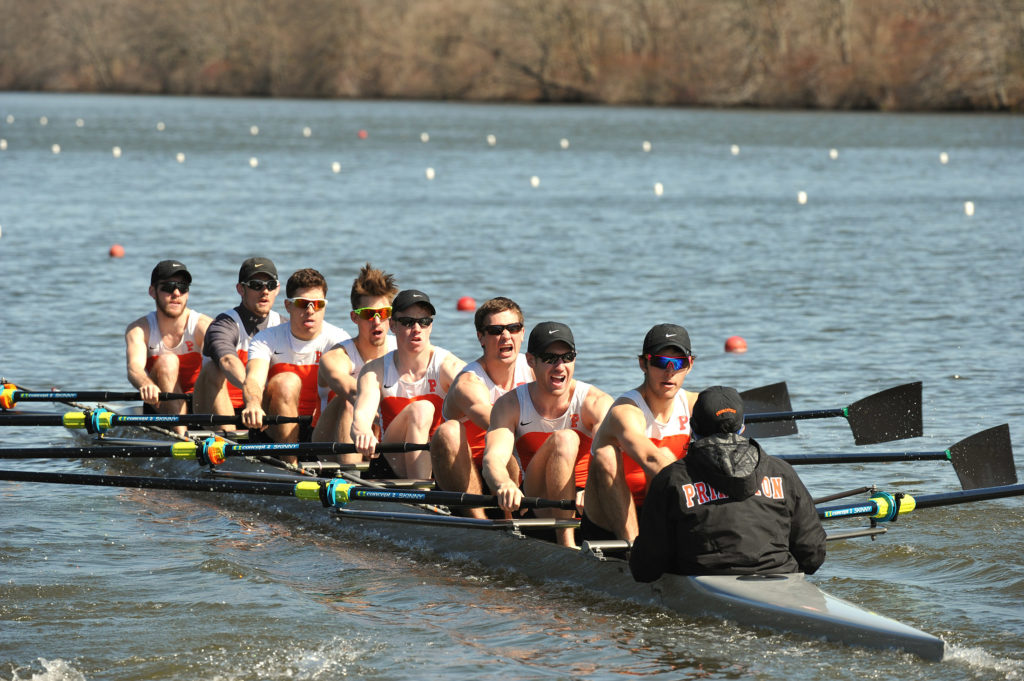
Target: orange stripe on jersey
(390,407)
(475,436)
(636,478)
(236,393)
(309,398)
(528,444)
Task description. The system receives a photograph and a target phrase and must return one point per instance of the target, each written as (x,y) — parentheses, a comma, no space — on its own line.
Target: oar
(893,414)
(768,398)
(11,395)
(329,492)
(887,507)
(99,420)
(211,450)
(984,459)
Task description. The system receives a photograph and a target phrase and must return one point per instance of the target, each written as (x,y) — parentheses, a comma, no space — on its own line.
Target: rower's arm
(202,324)
(450,368)
(595,408)
(335,373)
(367,402)
(498,445)
(256,372)
(625,423)
(470,398)
(136,354)
(219,343)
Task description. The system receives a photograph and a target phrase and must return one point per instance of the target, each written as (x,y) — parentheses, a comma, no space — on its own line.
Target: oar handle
(794,415)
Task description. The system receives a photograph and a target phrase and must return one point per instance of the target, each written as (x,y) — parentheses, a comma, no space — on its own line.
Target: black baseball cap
(410,297)
(256,266)
(718,411)
(663,336)
(165,269)
(546,333)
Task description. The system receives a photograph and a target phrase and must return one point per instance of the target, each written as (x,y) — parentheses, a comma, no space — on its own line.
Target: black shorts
(590,531)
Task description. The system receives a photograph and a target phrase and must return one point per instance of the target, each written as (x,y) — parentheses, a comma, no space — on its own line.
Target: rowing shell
(788,603)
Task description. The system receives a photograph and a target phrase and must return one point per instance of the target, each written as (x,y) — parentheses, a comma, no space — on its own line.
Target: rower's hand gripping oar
(886,507)
(100,420)
(11,395)
(335,493)
(893,414)
(984,459)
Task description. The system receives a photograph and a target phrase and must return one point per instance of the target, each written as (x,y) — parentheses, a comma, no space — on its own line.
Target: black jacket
(727,508)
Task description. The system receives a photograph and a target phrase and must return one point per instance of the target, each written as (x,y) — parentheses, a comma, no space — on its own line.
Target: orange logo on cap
(727,410)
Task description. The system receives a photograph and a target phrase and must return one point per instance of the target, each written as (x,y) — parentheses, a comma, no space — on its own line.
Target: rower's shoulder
(140,324)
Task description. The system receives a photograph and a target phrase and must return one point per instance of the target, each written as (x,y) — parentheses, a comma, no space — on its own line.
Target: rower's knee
(164,371)
(604,466)
(421,414)
(282,392)
(566,444)
(444,444)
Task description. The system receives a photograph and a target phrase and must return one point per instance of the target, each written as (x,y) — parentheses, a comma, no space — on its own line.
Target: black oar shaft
(103,452)
(865,457)
(188,450)
(31,420)
(964,496)
(86,396)
(794,415)
(182,484)
(450,498)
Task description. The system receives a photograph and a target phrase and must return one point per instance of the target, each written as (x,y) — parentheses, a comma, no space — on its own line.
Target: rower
(728,507)
(163,348)
(406,388)
(457,448)
(548,424)
(226,348)
(371,296)
(281,374)
(647,428)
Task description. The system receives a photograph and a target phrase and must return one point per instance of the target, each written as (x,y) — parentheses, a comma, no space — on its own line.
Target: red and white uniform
(397,394)
(673,434)
(242,347)
(349,344)
(533,430)
(285,352)
(189,351)
(474,433)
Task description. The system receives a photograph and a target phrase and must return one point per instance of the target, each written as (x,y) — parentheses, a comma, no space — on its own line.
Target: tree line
(831,54)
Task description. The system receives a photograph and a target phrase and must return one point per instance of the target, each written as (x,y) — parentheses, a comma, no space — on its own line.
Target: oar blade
(984,459)
(893,414)
(768,399)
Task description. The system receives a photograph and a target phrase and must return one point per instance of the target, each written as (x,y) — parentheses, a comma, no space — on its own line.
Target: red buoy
(735,344)
(363,134)
(465,304)
(117,251)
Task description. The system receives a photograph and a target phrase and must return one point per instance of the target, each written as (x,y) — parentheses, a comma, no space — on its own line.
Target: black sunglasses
(554,357)
(172,286)
(260,284)
(498,329)
(409,321)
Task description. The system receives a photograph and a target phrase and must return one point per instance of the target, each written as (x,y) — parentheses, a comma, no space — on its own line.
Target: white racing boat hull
(788,603)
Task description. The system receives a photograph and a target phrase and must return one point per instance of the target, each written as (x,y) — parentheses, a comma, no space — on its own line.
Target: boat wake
(46,670)
(980,660)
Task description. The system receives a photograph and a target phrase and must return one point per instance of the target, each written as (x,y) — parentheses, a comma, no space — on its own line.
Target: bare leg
(550,475)
(281,397)
(452,462)
(211,392)
(164,373)
(607,499)
(411,425)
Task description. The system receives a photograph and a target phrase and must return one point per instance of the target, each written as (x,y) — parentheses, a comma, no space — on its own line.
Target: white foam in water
(53,670)
(979,659)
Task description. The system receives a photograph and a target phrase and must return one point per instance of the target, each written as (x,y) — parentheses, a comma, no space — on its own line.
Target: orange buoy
(465,304)
(117,251)
(735,344)
(363,134)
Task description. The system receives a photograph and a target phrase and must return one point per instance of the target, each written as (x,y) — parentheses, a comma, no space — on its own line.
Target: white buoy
(833,154)
(254,130)
(564,143)
(160,126)
(55,148)
(335,167)
(968,208)
(943,158)
(79,122)
(3,145)
(424,137)
(659,189)
(307,132)
(646,145)
(43,120)
(254,162)
(535,181)
(180,157)
(1,232)
(10,118)
(116,151)
(430,173)
(801,198)
(492,140)
(735,150)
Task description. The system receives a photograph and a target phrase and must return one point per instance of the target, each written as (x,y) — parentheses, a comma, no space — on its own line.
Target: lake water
(879,278)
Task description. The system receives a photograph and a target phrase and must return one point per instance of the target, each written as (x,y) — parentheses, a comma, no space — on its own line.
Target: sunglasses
(304,303)
(676,363)
(260,284)
(554,357)
(498,329)
(172,286)
(368,313)
(409,321)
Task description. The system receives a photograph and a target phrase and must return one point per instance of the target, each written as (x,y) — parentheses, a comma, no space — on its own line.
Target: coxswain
(728,507)
(547,425)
